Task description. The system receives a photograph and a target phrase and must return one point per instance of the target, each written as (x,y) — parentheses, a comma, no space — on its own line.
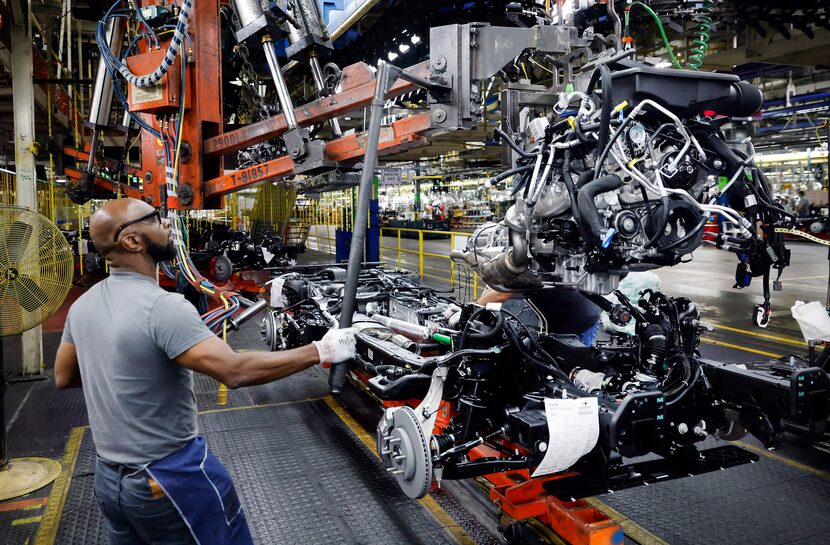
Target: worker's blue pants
(133,514)
(185,498)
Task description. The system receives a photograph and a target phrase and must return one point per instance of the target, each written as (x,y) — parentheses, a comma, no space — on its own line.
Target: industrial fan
(36,266)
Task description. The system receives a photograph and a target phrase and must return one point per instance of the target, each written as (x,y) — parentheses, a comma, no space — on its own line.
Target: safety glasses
(154,214)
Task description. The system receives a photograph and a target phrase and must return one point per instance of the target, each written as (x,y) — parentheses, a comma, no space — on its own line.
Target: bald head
(106,220)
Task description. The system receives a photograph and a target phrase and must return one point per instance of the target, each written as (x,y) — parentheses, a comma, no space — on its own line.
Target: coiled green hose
(701,41)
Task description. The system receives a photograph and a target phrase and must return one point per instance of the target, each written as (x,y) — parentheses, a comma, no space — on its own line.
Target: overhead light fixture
(416,39)
(392,56)
(403,48)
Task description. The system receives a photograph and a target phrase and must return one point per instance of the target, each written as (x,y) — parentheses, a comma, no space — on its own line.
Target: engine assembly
(628,183)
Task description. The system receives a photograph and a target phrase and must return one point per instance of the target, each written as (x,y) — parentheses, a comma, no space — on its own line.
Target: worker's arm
(489,295)
(213,357)
(67,372)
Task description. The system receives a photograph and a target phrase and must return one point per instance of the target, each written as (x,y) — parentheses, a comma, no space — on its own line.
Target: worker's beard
(159,252)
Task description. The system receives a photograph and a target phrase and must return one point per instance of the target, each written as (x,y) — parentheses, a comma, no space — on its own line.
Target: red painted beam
(357,89)
(402,134)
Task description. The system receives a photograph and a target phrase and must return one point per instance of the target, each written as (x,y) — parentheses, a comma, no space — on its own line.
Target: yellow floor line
(28,520)
(263,406)
(739,347)
(824,276)
(784,460)
(631,528)
(60,489)
(787,340)
(428,502)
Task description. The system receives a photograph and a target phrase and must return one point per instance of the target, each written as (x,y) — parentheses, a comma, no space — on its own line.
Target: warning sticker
(146,94)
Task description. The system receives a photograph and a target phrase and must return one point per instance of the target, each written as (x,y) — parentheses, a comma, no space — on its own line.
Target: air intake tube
(653,346)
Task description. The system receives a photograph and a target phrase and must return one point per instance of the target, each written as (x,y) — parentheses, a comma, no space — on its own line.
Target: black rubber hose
(584,177)
(507,173)
(603,75)
(607,148)
(695,377)
(578,129)
(664,218)
(567,179)
(509,141)
(587,208)
(492,333)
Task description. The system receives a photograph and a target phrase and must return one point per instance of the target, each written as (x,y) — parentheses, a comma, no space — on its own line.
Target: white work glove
(336,345)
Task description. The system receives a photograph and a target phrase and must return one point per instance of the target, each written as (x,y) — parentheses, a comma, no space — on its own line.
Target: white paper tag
(277,300)
(573,426)
(266,255)
(750,200)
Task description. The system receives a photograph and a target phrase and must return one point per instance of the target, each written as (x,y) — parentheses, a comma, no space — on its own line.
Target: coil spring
(701,42)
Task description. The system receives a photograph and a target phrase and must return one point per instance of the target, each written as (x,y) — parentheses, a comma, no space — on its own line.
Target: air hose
(659,24)
(701,42)
(147,80)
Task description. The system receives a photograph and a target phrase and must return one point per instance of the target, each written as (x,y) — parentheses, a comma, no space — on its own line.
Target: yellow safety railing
(323,221)
(449,274)
(321,243)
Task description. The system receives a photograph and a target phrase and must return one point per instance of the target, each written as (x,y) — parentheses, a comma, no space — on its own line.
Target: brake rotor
(221,267)
(269,330)
(405,451)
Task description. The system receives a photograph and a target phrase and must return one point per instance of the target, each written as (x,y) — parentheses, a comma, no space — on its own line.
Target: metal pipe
(247,314)
(317,74)
(248,11)
(383,79)
(101,102)
(408,329)
(279,83)
(612,12)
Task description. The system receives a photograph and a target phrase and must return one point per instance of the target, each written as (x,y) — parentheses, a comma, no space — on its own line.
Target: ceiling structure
(782,50)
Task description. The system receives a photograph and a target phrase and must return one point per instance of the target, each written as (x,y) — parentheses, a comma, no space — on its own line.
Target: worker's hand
(337,345)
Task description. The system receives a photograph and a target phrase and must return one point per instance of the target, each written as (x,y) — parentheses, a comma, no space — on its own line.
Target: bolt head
(295,151)
(439,115)
(439,63)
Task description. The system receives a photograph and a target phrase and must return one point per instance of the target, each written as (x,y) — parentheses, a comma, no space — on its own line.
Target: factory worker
(132,347)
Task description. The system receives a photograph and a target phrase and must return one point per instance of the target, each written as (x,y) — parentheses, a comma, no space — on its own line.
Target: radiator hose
(588,209)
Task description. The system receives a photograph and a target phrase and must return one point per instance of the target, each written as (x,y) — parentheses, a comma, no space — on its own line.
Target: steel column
(23,94)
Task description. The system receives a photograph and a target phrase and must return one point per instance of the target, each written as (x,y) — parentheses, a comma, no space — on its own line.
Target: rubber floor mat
(304,478)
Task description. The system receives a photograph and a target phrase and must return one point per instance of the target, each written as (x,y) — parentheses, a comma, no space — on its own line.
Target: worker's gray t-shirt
(127,332)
